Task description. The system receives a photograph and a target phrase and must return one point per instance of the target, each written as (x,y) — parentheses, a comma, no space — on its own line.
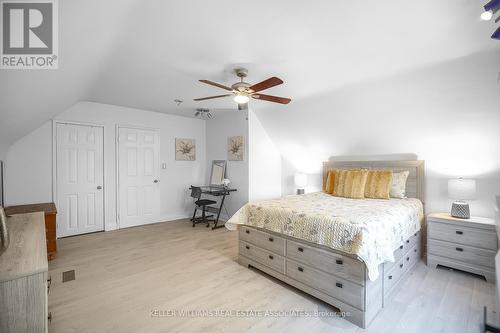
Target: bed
(350,253)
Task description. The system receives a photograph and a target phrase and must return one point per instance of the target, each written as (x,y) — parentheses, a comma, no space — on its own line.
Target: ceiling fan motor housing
(241,86)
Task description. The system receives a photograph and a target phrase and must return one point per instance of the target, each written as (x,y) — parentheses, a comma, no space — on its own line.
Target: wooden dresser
(50,222)
(23,276)
(465,244)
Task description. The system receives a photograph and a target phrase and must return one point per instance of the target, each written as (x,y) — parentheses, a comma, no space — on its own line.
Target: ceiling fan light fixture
(241,98)
(486,15)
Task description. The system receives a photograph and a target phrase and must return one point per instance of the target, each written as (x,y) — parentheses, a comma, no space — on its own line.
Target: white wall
(29,161)
(224,125)
(446,114)
(264,162)
(28,168)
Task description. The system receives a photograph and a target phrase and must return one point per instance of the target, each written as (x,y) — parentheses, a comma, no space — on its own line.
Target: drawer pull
(247,247)
(300,249)
(407,258)
(390,277)
(247,231)
(339,262)
(415,250)
(459,249)
(400,265)
(415,234)
(401,247)
(300,269)
(271,239)
(49,317)
(458,232)
(271,257)
(407,241)
(338,285)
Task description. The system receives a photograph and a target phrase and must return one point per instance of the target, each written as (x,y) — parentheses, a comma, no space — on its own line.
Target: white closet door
(79,178)
(138,179)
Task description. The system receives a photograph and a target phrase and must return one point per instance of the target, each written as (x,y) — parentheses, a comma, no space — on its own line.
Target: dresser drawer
(463,235)
(263,239)
(342,266)
(262,256)
(463,253)
(348,292)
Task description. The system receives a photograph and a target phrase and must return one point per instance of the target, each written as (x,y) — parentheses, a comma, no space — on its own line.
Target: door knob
(99,187)
(156,181)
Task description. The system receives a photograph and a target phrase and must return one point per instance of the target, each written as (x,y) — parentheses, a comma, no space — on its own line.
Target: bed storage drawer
(393,275)
(332,263)
(403,249)
(398,254)
(396,270)
(410,242)
(262,256)
(457,234)
(463,253)
(263,239)
(346,291)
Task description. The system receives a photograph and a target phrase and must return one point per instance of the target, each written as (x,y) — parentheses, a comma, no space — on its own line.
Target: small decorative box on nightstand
(466,244)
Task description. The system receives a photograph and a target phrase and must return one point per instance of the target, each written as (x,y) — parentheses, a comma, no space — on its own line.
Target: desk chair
(202,204)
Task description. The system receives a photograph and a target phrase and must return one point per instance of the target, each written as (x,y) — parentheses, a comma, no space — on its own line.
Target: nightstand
(466,244)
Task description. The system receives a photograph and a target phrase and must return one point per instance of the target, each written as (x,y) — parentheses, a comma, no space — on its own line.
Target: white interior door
(79,179)
(138,176)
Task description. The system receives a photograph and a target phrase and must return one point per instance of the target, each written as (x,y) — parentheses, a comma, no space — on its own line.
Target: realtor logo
(29,34)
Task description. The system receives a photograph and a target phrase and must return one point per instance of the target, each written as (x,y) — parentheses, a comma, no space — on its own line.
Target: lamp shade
(462,189)
(300,180)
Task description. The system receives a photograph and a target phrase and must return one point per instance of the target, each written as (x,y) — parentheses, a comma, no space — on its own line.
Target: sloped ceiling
(145,54)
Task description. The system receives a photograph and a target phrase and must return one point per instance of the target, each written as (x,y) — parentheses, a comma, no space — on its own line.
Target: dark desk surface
(212,189)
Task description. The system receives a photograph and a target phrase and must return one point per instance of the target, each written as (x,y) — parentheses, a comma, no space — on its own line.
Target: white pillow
(398,187)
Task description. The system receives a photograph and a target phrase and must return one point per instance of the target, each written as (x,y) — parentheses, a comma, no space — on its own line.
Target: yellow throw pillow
(350,184)
(330,181)
(378,184)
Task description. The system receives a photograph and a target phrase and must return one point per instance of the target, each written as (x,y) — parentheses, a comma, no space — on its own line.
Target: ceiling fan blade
(275,99)
(218,96)
(266,84)
(216,84)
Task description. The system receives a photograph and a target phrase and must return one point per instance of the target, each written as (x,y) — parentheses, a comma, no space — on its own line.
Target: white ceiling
(145,54)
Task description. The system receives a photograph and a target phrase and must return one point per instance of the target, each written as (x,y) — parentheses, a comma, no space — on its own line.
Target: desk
(216,191)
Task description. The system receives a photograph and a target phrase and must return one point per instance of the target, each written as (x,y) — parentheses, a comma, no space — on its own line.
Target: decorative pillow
(350,184)
(378,184)
(330,181)
(398,187)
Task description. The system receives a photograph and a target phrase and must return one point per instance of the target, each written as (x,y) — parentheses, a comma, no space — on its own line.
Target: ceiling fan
(242,91)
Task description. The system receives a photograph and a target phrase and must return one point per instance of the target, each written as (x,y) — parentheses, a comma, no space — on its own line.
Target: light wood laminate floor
(121,276)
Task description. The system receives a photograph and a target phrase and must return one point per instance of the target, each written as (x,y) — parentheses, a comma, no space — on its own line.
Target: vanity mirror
(218,172)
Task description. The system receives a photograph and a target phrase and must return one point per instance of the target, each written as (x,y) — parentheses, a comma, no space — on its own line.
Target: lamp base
(300,191)
(460,210)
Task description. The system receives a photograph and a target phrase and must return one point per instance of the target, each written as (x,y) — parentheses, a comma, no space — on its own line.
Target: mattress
(370,229)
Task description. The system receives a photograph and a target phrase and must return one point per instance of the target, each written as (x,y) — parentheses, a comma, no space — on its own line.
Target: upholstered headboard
(415,185)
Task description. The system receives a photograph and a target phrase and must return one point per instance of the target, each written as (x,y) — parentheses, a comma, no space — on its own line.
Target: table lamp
(300,182)
(461,189)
